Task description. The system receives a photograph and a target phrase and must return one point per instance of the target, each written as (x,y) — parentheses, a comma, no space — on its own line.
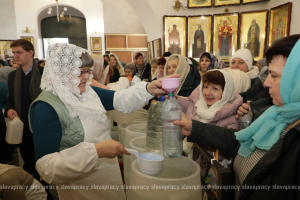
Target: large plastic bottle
(135,79)
(14,131)
(246,119)
(172,137)
(154,128)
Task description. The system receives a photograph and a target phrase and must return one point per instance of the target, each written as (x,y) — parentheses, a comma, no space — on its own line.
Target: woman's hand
(186,125)
(110,149)
(243,109)
(11,114)
(155,87)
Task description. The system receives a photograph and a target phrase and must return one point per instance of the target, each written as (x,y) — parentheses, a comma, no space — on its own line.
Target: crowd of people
(64,103)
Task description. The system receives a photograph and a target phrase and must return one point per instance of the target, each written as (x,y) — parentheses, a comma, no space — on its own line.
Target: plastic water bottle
(246,119)
(154,128)
(172,137)
(135,79)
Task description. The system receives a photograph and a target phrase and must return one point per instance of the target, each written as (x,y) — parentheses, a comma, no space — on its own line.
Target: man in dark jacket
(24,88)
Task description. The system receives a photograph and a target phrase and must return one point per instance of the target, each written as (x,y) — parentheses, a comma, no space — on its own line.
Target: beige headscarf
(183,68)
(119,65)
(241,80)
(97,67)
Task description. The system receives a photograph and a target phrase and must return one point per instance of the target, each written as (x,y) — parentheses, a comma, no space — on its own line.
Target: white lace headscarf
(60,77)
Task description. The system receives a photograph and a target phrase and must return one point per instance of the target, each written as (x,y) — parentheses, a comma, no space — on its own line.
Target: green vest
(72,129)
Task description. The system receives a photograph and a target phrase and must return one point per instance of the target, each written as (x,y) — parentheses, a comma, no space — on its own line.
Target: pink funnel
(170,84)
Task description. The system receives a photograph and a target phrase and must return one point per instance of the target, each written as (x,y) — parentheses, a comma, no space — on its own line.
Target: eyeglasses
(83,72)
(17,53)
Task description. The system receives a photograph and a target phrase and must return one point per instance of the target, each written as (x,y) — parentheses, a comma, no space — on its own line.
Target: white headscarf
(241,80)
(119,65)
(205,113)
(60,77)
(183,68)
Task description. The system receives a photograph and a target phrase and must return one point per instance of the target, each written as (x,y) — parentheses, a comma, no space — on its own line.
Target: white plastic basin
(178,180)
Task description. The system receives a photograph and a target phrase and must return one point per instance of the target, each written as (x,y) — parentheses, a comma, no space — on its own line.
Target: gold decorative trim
(125,34)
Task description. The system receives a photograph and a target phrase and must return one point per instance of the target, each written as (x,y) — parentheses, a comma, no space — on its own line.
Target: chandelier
(62,16)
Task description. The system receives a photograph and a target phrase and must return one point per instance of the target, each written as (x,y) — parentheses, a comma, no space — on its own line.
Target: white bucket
(178,180)
(140,115)
(133,131)
(115,135)
(122,118)
(138,144)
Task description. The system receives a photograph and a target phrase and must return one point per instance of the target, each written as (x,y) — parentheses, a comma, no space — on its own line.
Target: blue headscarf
(264,132)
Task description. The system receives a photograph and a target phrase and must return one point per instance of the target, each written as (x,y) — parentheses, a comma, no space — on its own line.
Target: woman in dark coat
(266,154)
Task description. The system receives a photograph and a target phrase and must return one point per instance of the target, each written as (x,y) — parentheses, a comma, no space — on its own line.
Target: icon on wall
(175,35)
(96,44)
(253,32)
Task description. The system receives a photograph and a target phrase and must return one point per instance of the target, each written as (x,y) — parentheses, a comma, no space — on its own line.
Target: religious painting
(157,48)
(5,50)
(227,2)
(280,19)
(175,34)
(199,3)
(150,50)
(225,35)
(199,35)
(96,44)
(252,1)
(253,29)
(99,53)
(28,38)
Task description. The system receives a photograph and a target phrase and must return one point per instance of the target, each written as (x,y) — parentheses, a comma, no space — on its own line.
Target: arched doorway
(71,27)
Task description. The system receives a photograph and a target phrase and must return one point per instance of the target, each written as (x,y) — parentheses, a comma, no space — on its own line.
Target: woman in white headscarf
(214,101)
(122,84)
(73,148)
(115,63)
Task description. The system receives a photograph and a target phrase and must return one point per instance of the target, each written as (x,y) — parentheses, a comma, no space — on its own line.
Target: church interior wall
(115,16)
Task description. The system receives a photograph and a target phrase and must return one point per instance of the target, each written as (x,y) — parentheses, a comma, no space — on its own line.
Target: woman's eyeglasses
(83,72)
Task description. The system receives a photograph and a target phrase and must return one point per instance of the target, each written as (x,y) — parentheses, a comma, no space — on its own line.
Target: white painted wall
(8,28)
(91,9)
(119,17)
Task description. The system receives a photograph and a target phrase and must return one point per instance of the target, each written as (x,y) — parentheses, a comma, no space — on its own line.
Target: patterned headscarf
(215,63)
(60,77)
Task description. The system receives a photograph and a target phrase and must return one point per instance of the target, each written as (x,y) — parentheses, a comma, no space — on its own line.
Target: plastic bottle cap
(161,98)
(129,78)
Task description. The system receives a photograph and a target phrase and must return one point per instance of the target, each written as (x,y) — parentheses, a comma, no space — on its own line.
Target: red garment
(222,34)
